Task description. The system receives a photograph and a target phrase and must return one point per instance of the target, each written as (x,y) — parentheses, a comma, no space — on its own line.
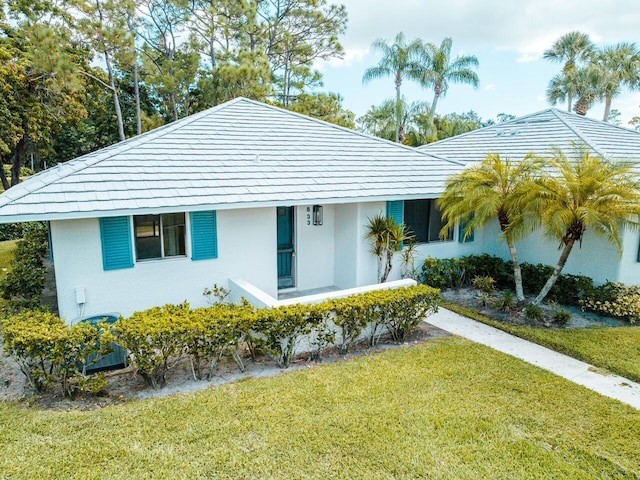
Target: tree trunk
(434,103)
(136,75)
(398,114)
(517,271)
(3,177)
(607,108)
(387,267)
(21,148)
(569,102)
(556,272)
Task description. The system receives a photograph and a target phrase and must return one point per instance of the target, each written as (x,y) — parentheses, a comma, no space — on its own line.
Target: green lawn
(616,349)
(6,255)
(447,409)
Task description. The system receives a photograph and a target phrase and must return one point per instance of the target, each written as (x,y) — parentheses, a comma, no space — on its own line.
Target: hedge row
(459,272)
(49,351)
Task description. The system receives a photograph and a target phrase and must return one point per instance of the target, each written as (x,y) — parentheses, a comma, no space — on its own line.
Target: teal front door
(286,247)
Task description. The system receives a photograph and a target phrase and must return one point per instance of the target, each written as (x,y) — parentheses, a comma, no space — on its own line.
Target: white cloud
(489,88)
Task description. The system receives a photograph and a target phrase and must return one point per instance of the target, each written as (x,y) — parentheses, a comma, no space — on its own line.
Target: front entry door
(286,247)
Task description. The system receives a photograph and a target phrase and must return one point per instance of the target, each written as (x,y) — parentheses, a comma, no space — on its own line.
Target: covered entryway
(286,247)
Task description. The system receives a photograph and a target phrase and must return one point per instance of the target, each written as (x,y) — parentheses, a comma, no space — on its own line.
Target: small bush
(485,284)
(561,316)
(615,299)
(443,273)
(49,351)
(407,307)
(23,286)
(488,266)
(533,313)
(155,339)
(506,302)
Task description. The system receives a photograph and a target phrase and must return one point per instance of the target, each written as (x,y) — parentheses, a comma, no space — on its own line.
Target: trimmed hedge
(49,350)
(458,272)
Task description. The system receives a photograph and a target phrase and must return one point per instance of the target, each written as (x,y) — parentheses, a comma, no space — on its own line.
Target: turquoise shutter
(395,210)
(204,235)
(116,243)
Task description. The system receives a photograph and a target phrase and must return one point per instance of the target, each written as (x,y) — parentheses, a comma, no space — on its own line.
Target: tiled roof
(241,153)
(540,133)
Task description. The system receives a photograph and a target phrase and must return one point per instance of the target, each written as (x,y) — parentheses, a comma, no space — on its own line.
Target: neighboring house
(244,192)
(540,133)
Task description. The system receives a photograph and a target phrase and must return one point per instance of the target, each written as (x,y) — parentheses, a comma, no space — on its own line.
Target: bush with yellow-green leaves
(49,351)
(615,299)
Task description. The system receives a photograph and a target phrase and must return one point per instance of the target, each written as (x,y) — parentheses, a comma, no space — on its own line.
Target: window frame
(427,223)
(161,237)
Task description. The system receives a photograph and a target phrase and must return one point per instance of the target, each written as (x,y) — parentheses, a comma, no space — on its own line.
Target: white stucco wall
(629,265)
(596,258)
(346,244)
(315,248)
(246,249)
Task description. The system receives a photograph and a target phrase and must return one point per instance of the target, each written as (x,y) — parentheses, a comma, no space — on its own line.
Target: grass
(616,349)
(448,409)
(6,255)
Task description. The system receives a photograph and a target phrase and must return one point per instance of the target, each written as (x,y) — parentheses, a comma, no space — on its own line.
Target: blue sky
(507,36)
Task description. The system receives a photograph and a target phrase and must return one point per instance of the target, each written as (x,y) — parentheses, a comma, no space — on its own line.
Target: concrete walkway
(578,372)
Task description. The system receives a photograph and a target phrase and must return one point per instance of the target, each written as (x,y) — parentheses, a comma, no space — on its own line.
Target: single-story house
(241,194)
(541,133)
(255,198)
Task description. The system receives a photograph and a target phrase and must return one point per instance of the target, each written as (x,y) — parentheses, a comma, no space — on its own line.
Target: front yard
(616,349)
(445,409)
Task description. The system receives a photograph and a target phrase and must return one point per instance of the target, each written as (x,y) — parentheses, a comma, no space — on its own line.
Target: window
(159,236)
(423,219)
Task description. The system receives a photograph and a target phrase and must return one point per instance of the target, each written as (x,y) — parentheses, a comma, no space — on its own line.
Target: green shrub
(615,299)
(485,283)
(443,273)
(506,301)
(560,316)
(154,338)
(283,327)
(51,352)
(352,315)
(407,307)
(11,231)
(488,266)
(23,286)
(533,312)
(209,333)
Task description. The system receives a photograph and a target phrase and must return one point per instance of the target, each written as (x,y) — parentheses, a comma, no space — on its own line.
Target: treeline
(78,75)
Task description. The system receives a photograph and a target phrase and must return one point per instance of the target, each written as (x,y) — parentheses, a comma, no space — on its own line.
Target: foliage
(24,284)
(443,273)
(209,333)
(615,299)
(506,302)
(386,238)
(406,308)
(51,352)
(587,192)
(216,294)
(324,106)
(353,314)
(284,327)
(488,191)
(154,339)
(533,312)
(484,283)
(399,60)
(11,231)
(559,315)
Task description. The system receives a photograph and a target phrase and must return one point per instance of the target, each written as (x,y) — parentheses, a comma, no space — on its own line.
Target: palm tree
(387,238)
(584,193)
(442,69)
(486,191)
(570,48)
(616,66)
(399,60)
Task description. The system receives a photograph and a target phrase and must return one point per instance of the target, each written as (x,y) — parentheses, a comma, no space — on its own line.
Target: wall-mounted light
(317,214)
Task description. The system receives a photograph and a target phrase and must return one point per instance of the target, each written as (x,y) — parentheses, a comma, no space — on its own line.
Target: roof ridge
(487,127)
(348,130)
(76,165)
(575,129)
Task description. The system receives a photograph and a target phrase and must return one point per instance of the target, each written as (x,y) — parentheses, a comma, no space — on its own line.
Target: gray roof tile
(236,154)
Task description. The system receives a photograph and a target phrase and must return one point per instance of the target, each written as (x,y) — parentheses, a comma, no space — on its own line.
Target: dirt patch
(125,384)
(489,305)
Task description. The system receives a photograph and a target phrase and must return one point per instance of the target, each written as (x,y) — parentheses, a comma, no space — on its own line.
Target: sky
(507,36)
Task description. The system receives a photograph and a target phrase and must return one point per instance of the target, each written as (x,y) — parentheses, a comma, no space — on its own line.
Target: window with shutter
(204,237)
(115,233)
